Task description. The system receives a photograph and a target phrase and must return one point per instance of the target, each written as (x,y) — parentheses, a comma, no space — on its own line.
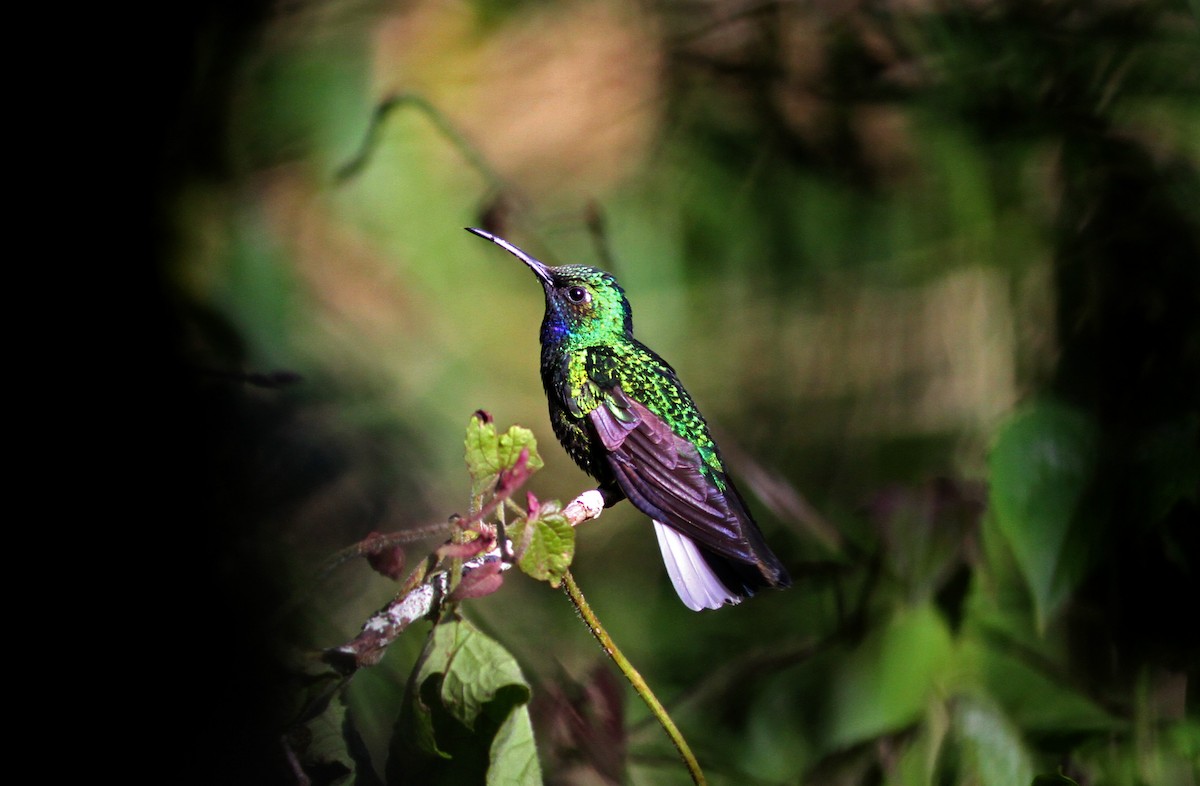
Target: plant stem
(459,142)
(631,674)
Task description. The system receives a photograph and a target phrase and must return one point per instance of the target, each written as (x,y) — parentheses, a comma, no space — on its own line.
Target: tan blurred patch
(924,359)
(561,101)
(884,137)
(354,285)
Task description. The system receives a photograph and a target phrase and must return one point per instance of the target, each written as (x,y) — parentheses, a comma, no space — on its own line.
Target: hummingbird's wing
(711,547)
(661,474)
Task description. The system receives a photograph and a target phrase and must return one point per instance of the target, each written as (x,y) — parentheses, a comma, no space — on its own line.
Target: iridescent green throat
(585,307)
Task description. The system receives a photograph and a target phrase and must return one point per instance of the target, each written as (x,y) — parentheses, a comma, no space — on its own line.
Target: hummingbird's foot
(588,505)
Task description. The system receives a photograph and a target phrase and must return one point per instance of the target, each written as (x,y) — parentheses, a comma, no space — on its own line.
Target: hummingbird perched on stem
(621,413)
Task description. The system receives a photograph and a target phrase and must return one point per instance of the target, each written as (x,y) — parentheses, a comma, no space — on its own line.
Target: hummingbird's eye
(578,295)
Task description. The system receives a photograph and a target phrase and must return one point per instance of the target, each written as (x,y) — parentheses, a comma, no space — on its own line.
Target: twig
(378,543)
(426,589)
(459,142)
(422,596)
(589,505)
(631,674)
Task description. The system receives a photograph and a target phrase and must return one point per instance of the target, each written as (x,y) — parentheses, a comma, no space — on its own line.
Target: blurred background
(931,271)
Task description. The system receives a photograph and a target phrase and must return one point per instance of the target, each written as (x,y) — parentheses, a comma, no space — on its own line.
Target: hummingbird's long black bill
(539,268)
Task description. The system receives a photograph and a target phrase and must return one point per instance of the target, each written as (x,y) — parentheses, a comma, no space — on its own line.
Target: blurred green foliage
(933,272)
(1042,469)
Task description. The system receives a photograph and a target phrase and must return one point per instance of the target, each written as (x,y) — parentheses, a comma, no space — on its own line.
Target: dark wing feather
(661,475)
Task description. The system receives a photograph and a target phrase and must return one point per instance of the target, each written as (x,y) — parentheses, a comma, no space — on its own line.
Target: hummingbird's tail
(707,580)
(696,583)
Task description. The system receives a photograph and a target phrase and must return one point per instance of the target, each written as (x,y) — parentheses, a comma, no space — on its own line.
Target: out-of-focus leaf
(1181,750)
(548,543)
(325,745)
(329,748)
(375,698)
(1184,738)
(885,684)
(488,453)
(468,722)
(1167,754)
(1040,467)
(918,761)
(1034,699)
(926,530)
(991,751)
(364,773)
(583,725)
(1055,779)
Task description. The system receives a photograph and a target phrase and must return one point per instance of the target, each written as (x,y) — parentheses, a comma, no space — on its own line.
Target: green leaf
(545,541)
(886,683)
(991,751)
(466,720)
(488,453)
(919,759)
(326,742)
(1041,468)
(513,756)
(474,668)
(1037,700)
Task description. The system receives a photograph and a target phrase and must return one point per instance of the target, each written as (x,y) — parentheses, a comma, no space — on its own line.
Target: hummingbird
(622,414)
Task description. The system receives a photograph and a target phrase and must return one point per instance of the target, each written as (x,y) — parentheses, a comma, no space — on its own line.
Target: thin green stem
(631,674)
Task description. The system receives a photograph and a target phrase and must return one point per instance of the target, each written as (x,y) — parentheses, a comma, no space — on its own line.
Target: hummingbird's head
(584,306)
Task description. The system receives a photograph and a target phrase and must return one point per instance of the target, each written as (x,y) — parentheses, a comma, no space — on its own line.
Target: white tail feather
(696,584)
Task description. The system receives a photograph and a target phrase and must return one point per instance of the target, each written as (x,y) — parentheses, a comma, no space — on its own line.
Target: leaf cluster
(462,716)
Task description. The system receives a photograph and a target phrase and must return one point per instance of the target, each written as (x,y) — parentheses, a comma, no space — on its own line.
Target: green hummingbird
(621,413)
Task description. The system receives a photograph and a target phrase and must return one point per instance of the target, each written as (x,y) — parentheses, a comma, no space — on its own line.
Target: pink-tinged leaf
(386,559)
(513,477)
(532,505)
(463,550)
(482,581)
(485,542)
